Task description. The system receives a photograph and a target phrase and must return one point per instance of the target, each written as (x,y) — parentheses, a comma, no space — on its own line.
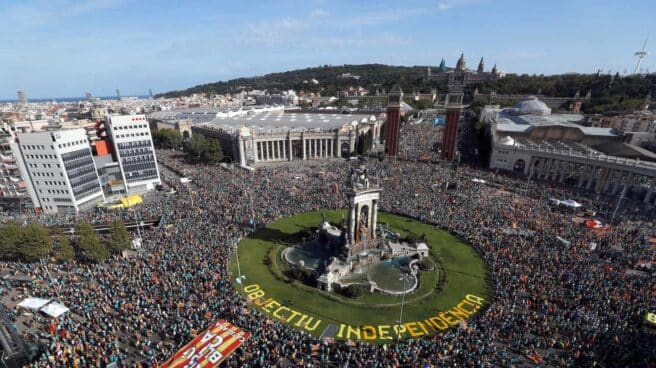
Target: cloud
(450,4)
(444,5)
(319,13)
(270,32)
(48,12)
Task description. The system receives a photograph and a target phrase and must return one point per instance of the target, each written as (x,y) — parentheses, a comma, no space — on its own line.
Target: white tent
(54,309)
(570,203)
(33,303)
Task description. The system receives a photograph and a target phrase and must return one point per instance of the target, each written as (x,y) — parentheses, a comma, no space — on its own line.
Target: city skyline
(65,48)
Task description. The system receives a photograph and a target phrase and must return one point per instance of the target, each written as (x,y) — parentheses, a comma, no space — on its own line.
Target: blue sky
(61,48)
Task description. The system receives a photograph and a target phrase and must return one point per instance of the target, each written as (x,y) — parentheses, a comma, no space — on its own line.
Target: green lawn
(465,272)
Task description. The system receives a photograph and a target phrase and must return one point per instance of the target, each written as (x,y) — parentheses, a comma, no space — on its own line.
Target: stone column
(374,219)
(316,146)
(352,221)
(650,192)
(562,173)
(242,155)
(279,152)
(254,142)
(291,153)
(609,181)
(547,169)
(600,176)
(268,150)
(591,178)
(304,146)
(553,170)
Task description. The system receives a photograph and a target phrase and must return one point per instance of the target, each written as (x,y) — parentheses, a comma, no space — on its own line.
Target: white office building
(60,169)
(134,150)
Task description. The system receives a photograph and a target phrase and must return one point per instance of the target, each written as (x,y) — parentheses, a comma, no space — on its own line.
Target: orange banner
(210,347)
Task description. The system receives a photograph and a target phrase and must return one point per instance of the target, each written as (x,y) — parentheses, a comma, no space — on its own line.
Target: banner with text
(209,348)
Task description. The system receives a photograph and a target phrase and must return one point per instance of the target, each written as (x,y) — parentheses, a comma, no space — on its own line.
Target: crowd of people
(552,303)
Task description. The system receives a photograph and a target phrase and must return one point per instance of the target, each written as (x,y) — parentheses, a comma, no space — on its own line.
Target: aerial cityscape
(457,183)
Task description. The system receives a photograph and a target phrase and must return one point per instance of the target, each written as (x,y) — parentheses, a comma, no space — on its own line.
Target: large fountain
(359,251)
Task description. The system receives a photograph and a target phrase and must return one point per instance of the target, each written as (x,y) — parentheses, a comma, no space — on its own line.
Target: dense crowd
(553,304)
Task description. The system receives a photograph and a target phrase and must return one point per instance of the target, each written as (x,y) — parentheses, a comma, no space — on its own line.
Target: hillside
(609,93)
(372,76)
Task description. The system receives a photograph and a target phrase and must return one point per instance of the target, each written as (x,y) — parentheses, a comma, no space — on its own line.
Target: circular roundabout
(395,297)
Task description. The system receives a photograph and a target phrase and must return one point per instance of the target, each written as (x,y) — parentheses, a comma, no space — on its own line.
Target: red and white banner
(209,348)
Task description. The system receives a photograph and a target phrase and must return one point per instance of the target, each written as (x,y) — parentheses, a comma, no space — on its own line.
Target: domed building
(528,138)
(531,106)
(461,76)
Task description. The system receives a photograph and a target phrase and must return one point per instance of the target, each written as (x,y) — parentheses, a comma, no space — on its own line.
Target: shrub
(354,291)
(425,264)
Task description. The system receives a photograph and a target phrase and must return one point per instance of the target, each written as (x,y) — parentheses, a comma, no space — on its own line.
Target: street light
(619,201)
(240,278)
(398,332)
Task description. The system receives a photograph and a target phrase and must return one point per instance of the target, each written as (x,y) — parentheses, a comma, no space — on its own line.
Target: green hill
(609,93)
(372,76)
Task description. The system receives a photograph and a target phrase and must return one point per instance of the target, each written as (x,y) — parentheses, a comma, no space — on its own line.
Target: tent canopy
(54,309)
(593,224)
(33,303)
(570,203)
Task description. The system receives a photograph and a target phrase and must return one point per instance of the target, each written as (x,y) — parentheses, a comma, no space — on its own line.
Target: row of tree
(609,92)
(199,148)
(31,242)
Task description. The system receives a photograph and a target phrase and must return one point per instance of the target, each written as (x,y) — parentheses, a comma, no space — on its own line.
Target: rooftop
(272,121)
(533,113)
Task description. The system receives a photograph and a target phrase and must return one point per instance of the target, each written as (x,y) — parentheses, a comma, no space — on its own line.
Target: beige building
(272,136)
(530,140)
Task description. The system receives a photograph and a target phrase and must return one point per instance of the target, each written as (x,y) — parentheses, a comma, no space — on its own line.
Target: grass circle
(447,296)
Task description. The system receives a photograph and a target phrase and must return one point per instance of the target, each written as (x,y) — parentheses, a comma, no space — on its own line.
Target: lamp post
(398,333)
(617,207)
(240,278)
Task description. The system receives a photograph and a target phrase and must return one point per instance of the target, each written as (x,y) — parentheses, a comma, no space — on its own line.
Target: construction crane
(640,55)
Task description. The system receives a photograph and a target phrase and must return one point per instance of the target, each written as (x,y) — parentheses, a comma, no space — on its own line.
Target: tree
(63,251)
(425,264)
(166,138)
(35,242)
(204,149)
(119,238)
(10,235)
(88,244)
(354,291)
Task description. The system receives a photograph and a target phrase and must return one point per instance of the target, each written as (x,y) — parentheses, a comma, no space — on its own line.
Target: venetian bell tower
(453,105)
(393,121)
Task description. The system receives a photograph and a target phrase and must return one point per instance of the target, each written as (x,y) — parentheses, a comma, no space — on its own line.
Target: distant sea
(68,99)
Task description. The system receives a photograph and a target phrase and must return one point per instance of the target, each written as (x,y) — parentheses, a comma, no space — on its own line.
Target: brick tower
(453,106)
(393,121)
